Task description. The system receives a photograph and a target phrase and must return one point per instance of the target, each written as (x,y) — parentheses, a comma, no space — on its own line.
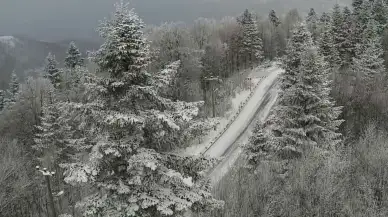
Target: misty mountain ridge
(23,54)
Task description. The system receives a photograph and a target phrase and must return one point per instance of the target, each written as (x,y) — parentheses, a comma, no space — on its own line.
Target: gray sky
(64,19)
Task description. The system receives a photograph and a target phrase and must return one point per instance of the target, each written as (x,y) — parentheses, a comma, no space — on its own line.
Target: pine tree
(2,100)
(52,72)
(326,47)
(347,48)
(258,148)
(275,34)
(13,89)
(125,129)
(273,18)
(125,51)
(306,115)
(325,18)
(379,14)
(369,62)
(251,45)
(312,24)
(338,35)
(300,41)
(74,57)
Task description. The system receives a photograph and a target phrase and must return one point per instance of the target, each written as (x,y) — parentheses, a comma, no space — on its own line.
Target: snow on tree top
(9,40)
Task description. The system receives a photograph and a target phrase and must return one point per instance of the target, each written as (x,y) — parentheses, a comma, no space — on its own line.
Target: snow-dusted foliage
(74,57)
(125,49)
(2,100)
(258,147)
(299,43)
(118,137)
(13,89)
(305,115)
(312,24)
(251,44)
(369,62)
(52,71)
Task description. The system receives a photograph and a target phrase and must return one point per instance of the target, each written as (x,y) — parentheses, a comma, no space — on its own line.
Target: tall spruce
(2,100)
(258,148)
(13,89)
(52,71)
(369,62)
(251,49)
(379,14)
(120,136)
(74,57)
(339,38)
(275,34)
(305,114)
(125,52)
(312,24)
(299,42)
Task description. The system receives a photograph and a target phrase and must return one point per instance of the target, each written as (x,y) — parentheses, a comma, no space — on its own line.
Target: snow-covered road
(229,137)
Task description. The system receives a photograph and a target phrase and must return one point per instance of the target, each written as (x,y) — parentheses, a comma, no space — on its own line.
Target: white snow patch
(9,41)
(257,75)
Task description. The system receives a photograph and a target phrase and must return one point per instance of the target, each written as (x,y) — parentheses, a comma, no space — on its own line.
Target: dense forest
(102,128)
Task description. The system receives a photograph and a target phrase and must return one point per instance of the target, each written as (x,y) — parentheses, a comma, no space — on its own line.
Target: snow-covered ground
(257,75)
(246,115)
(233,153)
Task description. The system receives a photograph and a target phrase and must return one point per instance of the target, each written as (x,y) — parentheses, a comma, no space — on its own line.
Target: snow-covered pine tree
(74,57)
(258,148)
(369,62)
(347,48)
(361,17)
(312,24)
(325,46)
(273,18)
(324,19)
(125,49)
(275,34)
(251,49)
(306,115)
(379,14)
(299,42)
(13,89)
(337,32)
(124,131)
(52,72)
(2,100)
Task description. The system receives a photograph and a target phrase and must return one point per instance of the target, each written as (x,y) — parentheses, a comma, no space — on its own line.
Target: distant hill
(20,54)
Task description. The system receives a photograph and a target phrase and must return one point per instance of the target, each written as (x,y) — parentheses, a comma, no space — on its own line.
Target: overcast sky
(64,19)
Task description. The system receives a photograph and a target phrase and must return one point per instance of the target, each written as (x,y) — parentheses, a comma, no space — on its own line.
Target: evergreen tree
(120,137)
(347,47)
(357,5)
(326,47)
(52,72)
(258,148)
(338,35)
(73,57)
(312,24)
(275,34)
(2,100)
(251,44)
(324,19)
(125,51)
(379,14)
(13,89)
(369,61)
(273,18)
(300,41)
(306,115)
